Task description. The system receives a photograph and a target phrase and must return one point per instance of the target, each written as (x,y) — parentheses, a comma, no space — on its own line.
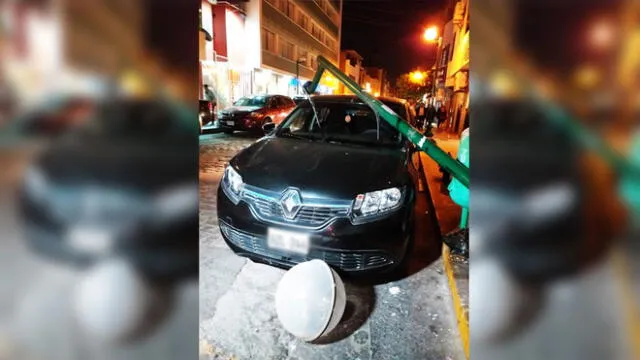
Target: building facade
(71,46)
(267,46)
(351,65)
(452,67)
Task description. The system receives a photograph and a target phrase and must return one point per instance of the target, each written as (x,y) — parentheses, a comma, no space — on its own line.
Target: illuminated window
(268,40)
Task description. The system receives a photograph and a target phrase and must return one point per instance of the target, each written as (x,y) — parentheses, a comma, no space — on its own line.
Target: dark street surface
(411,318)
(37,320)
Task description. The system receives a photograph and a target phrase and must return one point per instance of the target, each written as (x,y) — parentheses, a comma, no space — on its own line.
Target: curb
(462,316)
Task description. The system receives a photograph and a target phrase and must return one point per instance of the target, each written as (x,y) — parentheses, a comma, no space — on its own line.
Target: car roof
(353,98)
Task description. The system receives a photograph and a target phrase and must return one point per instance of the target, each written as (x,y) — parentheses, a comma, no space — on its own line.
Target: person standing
(430,114)
(421,114)
(442,115)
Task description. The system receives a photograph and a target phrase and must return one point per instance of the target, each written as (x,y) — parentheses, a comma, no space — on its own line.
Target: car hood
(320,169)
(241,109)
(134,165)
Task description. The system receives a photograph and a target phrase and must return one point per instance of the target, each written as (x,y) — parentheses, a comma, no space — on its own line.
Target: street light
(301,60)
(602,34)
(431,34)
(417,77)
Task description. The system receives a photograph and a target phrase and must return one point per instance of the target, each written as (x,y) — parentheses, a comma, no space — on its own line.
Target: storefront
(227,82)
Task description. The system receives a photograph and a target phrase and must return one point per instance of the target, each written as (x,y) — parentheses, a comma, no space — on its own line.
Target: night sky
(387,33)
(555,33)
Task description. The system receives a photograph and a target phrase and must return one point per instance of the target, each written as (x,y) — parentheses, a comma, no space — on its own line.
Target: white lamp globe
(112,300)
(310,300)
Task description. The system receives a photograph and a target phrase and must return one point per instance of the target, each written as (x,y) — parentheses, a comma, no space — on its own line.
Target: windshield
(339,122)
(251,101)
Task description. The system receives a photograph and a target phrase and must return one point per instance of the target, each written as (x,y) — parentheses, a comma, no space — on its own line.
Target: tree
(410,86)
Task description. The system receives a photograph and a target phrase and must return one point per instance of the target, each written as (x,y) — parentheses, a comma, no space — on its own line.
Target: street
(411,318)
(36,316)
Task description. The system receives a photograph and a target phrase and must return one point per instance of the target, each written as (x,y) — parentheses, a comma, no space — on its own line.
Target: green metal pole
(451,165)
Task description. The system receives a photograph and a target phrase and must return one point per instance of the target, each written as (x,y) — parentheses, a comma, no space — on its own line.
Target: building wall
(298,29)
(351,65)
(457,55)
(104,35)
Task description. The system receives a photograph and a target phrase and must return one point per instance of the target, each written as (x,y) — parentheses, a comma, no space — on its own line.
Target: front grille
(232,116)
(344,260)
(308,216)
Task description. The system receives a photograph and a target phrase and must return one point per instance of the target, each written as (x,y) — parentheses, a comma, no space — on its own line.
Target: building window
(287,50)
(282,5)
(303,21)
(330,42)
(316,31)
(314,63)
(268,40)
(291,10)
(303,54)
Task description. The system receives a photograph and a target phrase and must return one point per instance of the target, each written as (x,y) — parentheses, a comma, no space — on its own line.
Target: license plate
(231,123)
(89,240)
(288,241)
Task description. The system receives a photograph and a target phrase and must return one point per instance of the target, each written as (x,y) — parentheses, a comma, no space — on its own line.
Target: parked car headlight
(232,184)
(377,202)
(255,114)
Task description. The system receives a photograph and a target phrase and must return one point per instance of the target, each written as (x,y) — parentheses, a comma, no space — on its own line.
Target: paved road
(36,317)
(407,319)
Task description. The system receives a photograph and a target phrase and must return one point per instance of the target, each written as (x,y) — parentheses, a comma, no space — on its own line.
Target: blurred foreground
(555,180)
(98,202)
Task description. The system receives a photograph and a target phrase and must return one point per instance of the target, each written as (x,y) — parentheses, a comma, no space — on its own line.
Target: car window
(286,101)
(340,122)
(251,101)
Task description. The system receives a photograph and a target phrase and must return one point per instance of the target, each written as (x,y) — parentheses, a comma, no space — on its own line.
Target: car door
(272,108)
(287,107)
(280,111)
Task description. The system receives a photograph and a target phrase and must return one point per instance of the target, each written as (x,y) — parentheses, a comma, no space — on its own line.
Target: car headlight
(232,184)
(376,203)
(177,202)
(254,114)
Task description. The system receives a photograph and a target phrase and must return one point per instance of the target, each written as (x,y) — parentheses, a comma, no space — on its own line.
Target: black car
(338,187)
(252,112)
(123,183)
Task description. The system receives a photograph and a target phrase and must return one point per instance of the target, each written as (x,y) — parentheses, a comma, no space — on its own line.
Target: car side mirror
(268,127)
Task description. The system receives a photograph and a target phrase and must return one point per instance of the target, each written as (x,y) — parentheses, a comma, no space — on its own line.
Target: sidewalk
(448,214)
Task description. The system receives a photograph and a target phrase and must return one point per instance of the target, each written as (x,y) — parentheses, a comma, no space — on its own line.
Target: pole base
(458,242)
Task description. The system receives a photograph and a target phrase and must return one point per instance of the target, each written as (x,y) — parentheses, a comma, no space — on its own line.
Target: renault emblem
(290,203)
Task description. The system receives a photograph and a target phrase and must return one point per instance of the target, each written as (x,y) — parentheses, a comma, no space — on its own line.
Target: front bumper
(374,247)
(166,253)
(241,124)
